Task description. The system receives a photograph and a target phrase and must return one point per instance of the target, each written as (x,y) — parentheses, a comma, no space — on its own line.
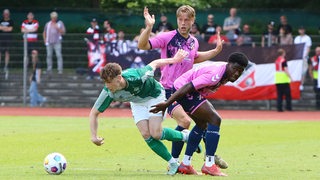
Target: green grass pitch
(254,149)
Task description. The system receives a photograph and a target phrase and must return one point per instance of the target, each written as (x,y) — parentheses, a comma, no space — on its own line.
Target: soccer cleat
(220,162)
(185,133)
(173,168)
(213,170)
(183,169)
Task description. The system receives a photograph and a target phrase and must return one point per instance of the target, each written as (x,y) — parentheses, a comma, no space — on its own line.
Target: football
(55,163)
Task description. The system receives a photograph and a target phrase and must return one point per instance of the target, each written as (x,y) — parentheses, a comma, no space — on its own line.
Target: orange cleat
(183,169)
(213,170)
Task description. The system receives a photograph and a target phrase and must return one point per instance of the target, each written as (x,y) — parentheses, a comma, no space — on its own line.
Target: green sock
(159,148)
(171,135)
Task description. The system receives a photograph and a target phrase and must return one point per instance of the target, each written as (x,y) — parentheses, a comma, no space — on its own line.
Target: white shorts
(140,111)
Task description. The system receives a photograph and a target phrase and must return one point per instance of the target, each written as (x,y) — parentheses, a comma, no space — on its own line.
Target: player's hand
(149,20)
(97,140)
(219,42)
(180,55)
(159,107)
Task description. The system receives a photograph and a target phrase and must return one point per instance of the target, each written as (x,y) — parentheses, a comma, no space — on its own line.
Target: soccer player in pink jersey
(169,43)
(191,88)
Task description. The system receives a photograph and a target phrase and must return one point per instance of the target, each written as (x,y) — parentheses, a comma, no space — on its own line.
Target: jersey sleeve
(104,100)
(207,79)
(158,41)
(145,73)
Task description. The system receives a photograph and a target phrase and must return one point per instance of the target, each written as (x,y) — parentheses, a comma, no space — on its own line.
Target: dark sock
(177,145)
(204,136)
(195,137)
(212,139)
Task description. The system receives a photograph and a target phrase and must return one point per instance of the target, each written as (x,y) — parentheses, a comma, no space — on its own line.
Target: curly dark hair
(239,58)
(110,71)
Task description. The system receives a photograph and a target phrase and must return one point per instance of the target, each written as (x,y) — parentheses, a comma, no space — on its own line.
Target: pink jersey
(170,42)
(205,78)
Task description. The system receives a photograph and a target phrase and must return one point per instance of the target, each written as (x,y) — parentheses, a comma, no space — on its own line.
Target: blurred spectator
(285,38)
(232,25)
(137,63)
(110,34)
(282,81)
(6,28)
(284,24)
(313,63)
(209,28)
(134,42)
(122,43)
(269,37)
(303,38)
(36,99)
(196,33)
(110,37)
(30,28)
(213,38)
(93,32)
(163,25)
(52,36)
(245,39)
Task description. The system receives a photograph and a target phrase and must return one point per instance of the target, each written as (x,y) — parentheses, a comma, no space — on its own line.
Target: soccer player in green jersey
(142,91)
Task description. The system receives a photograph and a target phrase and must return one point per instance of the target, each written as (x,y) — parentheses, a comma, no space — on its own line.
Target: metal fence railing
(74,49)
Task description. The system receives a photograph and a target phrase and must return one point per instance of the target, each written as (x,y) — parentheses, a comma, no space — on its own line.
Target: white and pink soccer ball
(55,163)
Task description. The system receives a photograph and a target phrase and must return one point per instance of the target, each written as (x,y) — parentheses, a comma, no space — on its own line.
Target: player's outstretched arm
(143,42)
(188,88)
(206,55)
(94,113)
(178,57)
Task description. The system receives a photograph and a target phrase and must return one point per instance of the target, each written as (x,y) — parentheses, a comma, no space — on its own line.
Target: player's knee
(202,125)
(216,120)
(156,135)
(145,134)
(183,121)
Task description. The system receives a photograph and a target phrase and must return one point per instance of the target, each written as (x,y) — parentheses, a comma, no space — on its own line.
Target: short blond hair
(186,9)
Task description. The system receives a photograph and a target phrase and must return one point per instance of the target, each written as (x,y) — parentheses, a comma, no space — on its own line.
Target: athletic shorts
(174,105)
(5,41)
(190,102)
(140,111)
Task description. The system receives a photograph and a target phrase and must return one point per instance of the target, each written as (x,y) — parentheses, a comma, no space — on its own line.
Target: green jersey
(141,87)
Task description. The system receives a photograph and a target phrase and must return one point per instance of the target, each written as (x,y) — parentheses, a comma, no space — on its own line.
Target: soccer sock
(172,160)
(212,139)
(209,161)
(177,145)
(195,137)
(186,160)
(204,136)
(159,148)
(171,135)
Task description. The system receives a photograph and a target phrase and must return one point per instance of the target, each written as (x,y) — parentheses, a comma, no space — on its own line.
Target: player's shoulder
(167,34)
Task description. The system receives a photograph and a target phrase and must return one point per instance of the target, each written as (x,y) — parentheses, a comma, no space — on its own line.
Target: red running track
(225,114)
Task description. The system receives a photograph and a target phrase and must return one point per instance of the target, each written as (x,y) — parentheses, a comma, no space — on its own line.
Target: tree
(160,5)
